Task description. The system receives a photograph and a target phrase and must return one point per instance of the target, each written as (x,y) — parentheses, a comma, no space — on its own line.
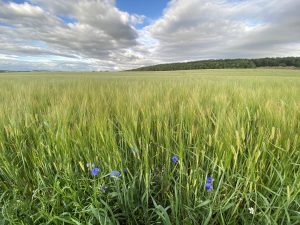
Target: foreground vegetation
(226,63)
(163,134)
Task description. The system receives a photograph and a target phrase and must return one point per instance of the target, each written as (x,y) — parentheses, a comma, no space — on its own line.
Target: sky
(113,35)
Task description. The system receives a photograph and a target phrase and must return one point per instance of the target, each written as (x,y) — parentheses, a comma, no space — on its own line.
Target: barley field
(213,147)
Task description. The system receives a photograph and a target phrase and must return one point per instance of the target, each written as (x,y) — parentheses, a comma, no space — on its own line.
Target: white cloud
(99,29)
(200,29)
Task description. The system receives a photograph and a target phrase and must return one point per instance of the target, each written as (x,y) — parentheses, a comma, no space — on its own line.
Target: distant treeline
(226,63)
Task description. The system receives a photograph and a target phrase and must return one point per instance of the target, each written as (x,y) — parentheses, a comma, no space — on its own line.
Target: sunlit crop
(198,147)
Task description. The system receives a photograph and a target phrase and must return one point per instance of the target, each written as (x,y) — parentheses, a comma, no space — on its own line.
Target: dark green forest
(225,63)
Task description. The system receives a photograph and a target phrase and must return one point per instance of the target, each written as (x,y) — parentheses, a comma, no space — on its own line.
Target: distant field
(239,126)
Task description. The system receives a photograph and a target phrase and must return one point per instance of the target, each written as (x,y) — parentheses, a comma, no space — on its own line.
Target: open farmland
(165,132)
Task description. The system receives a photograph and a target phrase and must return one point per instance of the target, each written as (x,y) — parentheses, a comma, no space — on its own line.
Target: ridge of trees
(225,64)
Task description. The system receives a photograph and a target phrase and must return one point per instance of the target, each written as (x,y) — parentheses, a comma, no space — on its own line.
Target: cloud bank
(96,35)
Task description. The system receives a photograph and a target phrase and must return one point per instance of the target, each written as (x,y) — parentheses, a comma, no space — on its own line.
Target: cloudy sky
(123,34)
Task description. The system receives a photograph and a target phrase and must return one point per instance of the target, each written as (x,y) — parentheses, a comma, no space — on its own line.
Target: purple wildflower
(95,171)
(115,173)
(175,159)
(209,186)
(209,180)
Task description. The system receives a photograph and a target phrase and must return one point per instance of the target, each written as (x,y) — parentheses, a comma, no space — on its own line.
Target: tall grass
(239,126)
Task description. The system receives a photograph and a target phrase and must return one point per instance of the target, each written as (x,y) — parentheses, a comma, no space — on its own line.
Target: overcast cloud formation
(96,35)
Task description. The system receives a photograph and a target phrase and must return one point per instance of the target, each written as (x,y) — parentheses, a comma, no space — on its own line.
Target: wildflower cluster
(96,170)
(117,174)
(208,184)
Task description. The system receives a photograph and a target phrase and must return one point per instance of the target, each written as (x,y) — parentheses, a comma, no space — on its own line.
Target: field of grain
(163,134)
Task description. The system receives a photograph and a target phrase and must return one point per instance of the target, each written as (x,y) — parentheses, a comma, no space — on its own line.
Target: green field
(240,127)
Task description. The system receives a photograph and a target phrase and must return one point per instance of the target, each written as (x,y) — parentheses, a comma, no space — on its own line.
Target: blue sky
(123,34)
(152,9)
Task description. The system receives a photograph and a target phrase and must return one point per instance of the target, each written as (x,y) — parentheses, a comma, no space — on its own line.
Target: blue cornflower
(115,173)
(95,171)
(209,179)
(209,186)
(175,159)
